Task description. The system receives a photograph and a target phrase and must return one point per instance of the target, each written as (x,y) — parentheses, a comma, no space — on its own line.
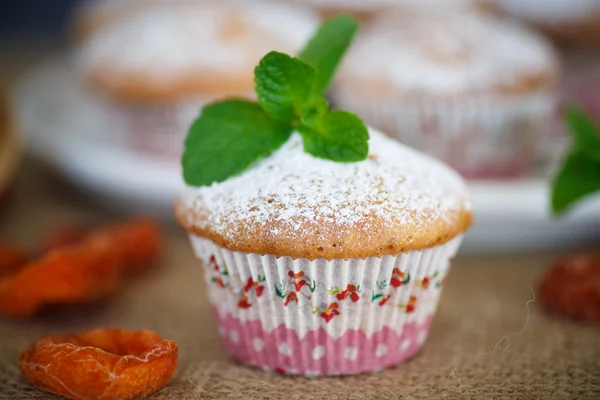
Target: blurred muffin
(473,90)
(570,24)
(153,70)
(368,9)
(90,15)
(9,147)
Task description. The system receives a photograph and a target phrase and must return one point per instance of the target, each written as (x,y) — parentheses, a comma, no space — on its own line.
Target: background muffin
(469,88)
(368,9)
(153,70)
(571,24)
(91,15)
(321,268)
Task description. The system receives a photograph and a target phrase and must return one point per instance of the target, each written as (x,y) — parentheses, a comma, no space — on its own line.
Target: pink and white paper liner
(155,129)
(297,316)
(480,137)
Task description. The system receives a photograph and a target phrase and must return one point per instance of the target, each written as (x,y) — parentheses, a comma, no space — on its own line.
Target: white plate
(63,129)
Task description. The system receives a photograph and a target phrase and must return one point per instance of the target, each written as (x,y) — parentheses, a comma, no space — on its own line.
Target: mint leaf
(314,110)
(227,138)
(326,48)
(578,177)
(338,136)
(283,85)
(586,137)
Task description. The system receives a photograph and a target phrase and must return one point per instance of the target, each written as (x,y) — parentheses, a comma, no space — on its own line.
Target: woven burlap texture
(490,339)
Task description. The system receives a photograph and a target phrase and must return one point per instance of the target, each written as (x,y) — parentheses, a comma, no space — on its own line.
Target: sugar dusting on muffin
(186,38)
(397,199)
(450,53)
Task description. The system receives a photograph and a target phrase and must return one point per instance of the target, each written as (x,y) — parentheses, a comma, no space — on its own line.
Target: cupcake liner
(296,316)
(480,137)
(155,129)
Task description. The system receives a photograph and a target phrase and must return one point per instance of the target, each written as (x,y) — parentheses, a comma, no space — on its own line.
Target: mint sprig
(283,85)
(326,49)
(579,175)
(231,135)
(220,146)
(288,89)
(338,136)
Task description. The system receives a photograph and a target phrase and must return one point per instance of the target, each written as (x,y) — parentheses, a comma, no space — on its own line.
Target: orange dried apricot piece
(64,237)
(11,259)
(137,242)
(69,275)
(108,363)
(571,287)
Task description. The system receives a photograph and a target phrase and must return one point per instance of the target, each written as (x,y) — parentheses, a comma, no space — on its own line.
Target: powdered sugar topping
(167,40)
(395,184)
(447,52)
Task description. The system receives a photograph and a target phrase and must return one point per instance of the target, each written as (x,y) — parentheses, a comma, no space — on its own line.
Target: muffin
(150,72)
(316,267)
(366,10)
(468,88)
(571,24)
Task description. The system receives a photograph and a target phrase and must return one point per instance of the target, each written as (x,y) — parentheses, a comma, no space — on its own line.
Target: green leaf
(406,280)
(314,110)
(278,292)
(227,138)
(586,138)
(578,177)
(327,47)
(339,136)
(376,296)
(283,85)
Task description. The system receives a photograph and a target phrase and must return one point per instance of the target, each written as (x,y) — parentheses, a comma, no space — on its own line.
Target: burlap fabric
(490,339)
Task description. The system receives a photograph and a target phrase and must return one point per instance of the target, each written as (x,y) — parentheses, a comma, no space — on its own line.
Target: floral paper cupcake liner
(315,318)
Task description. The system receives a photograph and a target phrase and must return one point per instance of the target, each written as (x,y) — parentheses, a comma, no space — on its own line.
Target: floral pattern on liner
(289,289)
(336,295)
(317,353)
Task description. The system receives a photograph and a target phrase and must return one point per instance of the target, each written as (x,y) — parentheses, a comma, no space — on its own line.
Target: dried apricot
(136,242)
(64,237)
(107,363)
(571,287)
(11,259)
(69,275)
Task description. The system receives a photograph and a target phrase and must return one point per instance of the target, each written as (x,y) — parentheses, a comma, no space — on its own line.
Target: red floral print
(213,263)
(243,302)
(397,277)
(219,281)
(258,289)
(412,302)
(330,312)
(350,291)
(292,296)
(426,282)
(298,279)
(384,300)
